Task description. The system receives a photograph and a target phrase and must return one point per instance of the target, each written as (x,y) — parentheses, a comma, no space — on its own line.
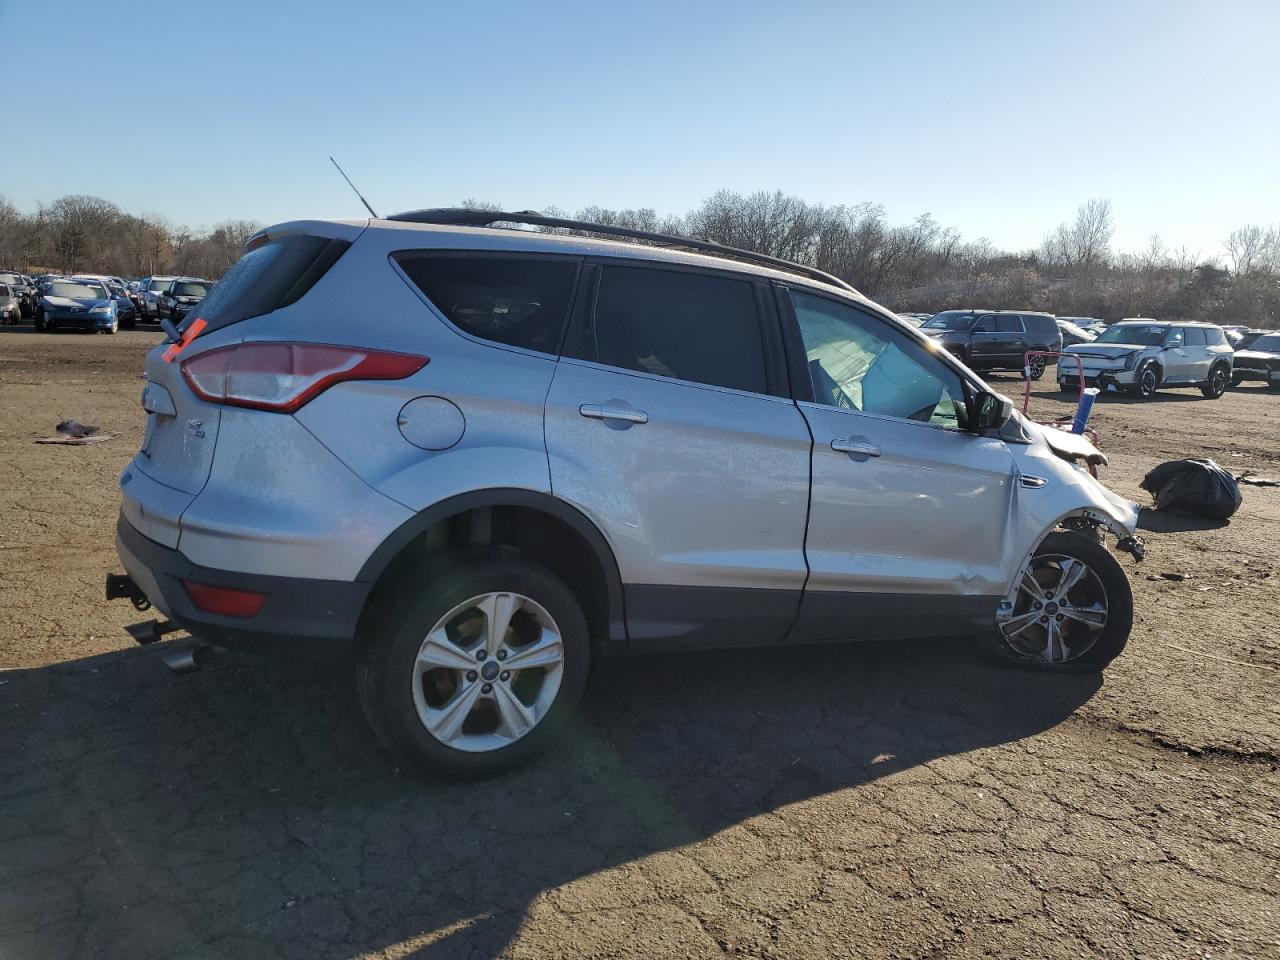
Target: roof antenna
(353,187)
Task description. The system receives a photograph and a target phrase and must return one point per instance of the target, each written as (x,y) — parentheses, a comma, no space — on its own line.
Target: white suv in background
(1140,356)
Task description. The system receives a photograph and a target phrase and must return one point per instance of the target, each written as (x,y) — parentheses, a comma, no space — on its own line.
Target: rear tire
(1077,630)
(1036,368)
(1216,385)
(424,679)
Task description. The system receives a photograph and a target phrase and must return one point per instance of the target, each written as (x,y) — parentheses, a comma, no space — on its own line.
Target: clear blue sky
(998,118)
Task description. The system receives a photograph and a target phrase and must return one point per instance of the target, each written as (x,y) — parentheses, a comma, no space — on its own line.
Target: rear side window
(688,326)
(1214,336)
(519,301)
(1008,323)
(1193,337)
(268,277)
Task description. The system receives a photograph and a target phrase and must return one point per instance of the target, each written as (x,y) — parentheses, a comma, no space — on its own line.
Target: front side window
(689,326)
(1174,339)
(519,301)
(986,325)
(857,362)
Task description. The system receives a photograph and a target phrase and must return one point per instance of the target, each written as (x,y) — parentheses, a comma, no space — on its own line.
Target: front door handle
(855,446)
(612,411)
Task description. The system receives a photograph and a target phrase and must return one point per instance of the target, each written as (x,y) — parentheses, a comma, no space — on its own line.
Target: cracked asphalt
(855,801)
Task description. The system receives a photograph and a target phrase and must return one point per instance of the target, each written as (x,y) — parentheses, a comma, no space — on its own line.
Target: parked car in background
(134,288)
(23,290)
(77,305)
(915,319)
(1139,356)
(1260,361)
(152,287)
(126,308)
(1072,334)
(180,296)
(996,339)
(10,310)
(1090,324)
(548,449)
(1246,339)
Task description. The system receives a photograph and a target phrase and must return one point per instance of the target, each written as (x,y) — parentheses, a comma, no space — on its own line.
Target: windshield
(157,284)
(1141,334)
(77,291)
(190,289)
(950,320)
(1270,343)
(1072,329)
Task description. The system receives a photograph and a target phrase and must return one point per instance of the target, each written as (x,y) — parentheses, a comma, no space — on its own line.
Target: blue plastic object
(1083,409)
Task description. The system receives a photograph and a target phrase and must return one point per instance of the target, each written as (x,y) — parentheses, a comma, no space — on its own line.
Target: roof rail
(465,217)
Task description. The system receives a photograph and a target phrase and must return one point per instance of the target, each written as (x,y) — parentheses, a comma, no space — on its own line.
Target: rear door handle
(855,446)
(612,411)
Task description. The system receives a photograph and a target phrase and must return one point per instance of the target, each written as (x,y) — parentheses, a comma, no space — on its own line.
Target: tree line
(83,234)
(917,266)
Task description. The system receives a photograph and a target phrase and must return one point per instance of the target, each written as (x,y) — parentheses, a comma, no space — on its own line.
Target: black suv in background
(995,339)
(180,297)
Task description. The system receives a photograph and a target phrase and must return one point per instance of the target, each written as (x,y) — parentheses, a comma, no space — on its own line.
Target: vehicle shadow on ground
(246,810)
(1155,521)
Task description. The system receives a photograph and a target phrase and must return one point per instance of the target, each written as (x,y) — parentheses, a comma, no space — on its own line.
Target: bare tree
(1253,248)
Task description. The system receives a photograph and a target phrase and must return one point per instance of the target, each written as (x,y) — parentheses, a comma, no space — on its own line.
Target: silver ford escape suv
(479,459)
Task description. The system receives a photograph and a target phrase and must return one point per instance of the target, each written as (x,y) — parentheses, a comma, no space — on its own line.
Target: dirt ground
(864,800)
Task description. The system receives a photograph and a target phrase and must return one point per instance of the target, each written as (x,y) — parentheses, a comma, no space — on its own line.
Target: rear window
(519,301)
(268,277)
(689,326)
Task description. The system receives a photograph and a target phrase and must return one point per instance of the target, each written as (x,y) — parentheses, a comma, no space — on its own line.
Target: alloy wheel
(488,672)
(1036,368)
(1059,611)
(1218,382)
(1148,381)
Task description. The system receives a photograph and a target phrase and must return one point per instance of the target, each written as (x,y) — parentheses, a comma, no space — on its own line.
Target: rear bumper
(312,618)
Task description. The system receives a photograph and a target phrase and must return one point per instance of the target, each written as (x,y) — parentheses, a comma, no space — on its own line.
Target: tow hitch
(122,586)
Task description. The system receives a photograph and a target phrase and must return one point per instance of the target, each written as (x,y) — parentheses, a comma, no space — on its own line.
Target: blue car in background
(80,305)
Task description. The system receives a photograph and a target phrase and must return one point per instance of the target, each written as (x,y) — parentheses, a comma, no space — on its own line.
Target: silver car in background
(152,288)
(1140,356)
(479,460)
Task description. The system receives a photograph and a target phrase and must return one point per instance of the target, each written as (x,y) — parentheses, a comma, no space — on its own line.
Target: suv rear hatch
(176,458)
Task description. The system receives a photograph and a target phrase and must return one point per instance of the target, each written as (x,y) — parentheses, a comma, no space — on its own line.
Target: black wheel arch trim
(422,521)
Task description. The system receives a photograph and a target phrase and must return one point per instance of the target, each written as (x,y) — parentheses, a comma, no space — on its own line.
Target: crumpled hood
(1110,350)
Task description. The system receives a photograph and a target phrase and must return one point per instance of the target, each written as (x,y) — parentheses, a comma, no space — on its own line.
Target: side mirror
(987,411)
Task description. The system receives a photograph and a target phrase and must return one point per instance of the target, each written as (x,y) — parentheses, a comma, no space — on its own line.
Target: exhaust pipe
(190,659)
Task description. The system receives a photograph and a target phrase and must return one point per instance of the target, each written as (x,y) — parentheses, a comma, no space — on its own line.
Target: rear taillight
(283,377)
(224,601)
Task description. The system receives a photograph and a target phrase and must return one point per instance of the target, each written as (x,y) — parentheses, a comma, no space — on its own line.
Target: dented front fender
(1051,490)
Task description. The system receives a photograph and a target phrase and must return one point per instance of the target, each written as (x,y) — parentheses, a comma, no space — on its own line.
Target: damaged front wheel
(1071,609)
